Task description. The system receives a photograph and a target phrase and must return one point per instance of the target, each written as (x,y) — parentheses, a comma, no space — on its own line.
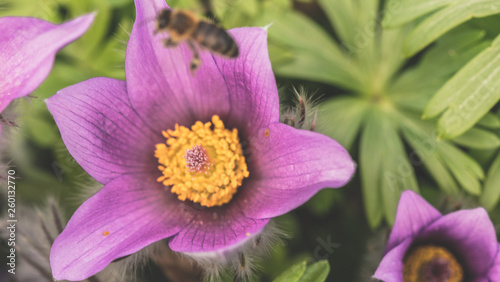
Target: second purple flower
(427,246)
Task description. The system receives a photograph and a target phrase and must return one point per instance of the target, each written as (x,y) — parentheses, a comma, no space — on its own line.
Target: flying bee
(186,26)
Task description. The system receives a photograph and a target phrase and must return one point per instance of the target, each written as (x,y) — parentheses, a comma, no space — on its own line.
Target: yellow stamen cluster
(202,164)
(422,259)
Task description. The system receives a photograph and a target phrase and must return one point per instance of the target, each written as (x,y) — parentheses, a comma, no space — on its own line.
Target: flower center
(203,164)
(431,264)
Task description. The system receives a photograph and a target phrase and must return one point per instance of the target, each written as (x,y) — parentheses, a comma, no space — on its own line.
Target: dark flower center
(431,264)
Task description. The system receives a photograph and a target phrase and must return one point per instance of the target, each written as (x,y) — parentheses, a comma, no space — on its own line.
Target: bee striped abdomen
(216,39)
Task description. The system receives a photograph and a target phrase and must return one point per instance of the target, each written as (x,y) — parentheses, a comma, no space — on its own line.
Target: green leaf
(340,14)
(424,146)
(340,118)
(445,19)
(397,172)
(371,171)
(451,53)
(400,12)
(347,15)
(306,66)
(315,50)
(391,56)
(301,272)
(414,88)
(464,168)
(478,139)
(490,121)
(316,272)
(292,274)
(468,95)
(491,193)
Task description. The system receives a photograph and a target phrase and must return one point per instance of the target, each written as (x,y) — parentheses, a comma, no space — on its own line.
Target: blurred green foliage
(382,87)
(394,76)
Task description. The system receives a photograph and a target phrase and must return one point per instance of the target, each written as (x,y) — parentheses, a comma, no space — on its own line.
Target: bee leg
(195,61)
(168,42)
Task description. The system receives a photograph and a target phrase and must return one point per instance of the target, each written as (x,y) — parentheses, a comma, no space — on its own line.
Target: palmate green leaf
(467,172)
(451,53)
(312,67)
(457,12)
(384,167)
(316,53)
(348,15)
(491,194)
(400,12)
(424,147)
(397,172)
(390,55)
(414,88)
(370,169)
(442,158)
(301,272)
(340,118)
(469,95)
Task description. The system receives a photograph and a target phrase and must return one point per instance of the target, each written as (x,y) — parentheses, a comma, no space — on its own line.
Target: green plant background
(410,88)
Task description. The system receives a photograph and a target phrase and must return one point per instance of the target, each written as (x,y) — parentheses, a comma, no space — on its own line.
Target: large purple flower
(27,50)
(223,149)
(427,246)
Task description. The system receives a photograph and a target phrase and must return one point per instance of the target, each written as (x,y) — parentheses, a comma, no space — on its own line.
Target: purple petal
(27,51)
(470,235)
(102,131)
(216,229)
(250,80)
(391,266)
(288,167)
(413,214)
(242,90)
(128,214)
(494,272)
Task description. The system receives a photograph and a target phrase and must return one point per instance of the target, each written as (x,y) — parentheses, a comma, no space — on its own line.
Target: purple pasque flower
(199,159)
(27,51)
(427,246)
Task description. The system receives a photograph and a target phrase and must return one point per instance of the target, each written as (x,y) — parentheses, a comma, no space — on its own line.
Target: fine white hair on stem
(239,262)
(302,114)
(36,229)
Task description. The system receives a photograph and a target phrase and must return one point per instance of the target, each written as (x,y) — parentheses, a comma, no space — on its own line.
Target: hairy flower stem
(176,268)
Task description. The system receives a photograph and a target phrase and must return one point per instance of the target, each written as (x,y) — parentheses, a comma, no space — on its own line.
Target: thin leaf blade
(491,193)
(444,20)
